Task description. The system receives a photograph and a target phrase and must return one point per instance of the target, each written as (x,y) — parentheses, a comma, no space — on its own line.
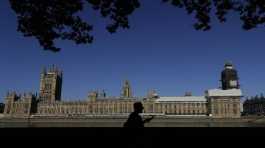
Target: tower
(51,84)
(11,97)
(93,96)
(229,77)
(126,90)
(225,102)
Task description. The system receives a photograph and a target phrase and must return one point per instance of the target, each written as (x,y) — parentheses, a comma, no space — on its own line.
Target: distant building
(217,103)
(2,106)
(255,105)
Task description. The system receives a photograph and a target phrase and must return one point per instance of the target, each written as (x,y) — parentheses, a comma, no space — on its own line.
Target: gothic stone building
(216,103)
(20,105)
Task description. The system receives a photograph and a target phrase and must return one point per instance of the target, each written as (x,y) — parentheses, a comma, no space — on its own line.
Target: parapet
(52,70)
(223,93)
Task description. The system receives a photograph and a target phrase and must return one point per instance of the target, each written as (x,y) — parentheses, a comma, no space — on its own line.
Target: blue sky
(160,51)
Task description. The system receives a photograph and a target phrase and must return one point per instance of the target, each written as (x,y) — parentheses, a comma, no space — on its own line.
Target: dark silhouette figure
(135,120)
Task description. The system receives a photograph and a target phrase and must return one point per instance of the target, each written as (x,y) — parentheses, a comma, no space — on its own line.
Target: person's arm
(148,119)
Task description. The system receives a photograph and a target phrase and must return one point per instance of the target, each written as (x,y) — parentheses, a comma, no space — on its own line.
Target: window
(48,86)
(233,83)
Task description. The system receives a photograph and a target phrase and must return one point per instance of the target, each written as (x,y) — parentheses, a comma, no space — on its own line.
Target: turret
(11,97)
(20,105)
(93,96)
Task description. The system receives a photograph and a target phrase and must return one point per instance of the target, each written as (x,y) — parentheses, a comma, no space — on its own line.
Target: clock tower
(229,77)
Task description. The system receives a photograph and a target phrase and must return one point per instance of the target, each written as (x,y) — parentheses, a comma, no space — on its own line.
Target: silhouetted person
(135,120)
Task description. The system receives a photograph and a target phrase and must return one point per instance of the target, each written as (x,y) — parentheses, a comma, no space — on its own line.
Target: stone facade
(107,106)
(217,103)
(224,107)
(20,105)
(51,85)
(119,106)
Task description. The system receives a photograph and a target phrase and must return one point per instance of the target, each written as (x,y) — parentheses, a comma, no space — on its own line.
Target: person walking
(135,120)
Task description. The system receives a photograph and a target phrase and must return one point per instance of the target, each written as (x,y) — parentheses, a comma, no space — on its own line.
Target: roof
(220,92)
(182,99)
(111,98)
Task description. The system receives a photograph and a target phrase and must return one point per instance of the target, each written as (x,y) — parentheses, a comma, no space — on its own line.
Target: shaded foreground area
(119,121)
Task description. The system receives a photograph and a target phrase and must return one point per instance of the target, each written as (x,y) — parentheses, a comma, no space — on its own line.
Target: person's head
(138,107)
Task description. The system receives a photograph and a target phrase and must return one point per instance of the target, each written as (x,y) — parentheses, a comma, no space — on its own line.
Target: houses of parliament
(223,102)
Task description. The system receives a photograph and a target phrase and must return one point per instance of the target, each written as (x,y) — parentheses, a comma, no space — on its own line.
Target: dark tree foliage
(48,20)
(251,12)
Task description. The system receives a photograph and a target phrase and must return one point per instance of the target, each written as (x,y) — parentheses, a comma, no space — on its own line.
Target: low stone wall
(119,121)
